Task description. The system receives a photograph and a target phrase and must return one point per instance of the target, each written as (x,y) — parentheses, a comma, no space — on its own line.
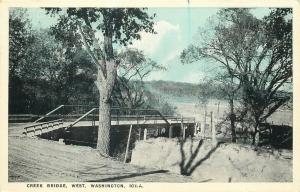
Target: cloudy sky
(176,28)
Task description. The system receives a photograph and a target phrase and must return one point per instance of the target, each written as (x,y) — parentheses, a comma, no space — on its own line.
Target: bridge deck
(125,122)
(40,128)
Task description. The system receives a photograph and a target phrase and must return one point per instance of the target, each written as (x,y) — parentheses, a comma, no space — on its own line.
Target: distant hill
(173,92)
(179,92)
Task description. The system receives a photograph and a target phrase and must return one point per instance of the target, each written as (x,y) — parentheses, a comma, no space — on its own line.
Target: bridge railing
(79,113)
(48,114)
(37,129)
(178,119)
(121,114)
(65,112)
(89,116)
(139,115)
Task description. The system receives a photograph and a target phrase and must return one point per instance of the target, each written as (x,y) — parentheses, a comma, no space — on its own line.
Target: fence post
(170,131)
(145,134)
(140,131)
(93,119)
(182,128)
(128,142)
(204,125)
(213,128)
(218,114)
(156,131)
(195,129)
(200,129)
(117,117)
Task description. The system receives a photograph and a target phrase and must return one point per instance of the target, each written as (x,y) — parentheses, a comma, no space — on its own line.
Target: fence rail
(17,118)
(119,114)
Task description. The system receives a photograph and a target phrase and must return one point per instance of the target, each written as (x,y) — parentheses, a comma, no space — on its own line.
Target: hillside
(180,92)
(184,98)
(174,92)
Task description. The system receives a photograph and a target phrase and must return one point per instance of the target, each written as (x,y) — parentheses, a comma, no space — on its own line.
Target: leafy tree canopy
(121,24)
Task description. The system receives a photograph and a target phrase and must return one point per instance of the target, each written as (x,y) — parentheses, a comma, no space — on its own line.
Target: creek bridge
(71,116)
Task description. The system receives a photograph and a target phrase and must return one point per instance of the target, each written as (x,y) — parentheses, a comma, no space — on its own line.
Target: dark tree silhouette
(189,165)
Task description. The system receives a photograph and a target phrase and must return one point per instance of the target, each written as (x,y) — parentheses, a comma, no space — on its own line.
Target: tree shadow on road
(189,165)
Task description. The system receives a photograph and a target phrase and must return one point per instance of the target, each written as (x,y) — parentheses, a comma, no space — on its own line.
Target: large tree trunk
(105,87)
(104,128)
(106,77)
(255,136)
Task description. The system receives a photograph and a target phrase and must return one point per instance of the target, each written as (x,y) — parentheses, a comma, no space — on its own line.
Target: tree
(158,102)
(255,54)
(205,92)
(44,72)
(129,90)
(20,41)
(34,64)
(221,86)
(101,30)
(216,44)
(264,85)
(75,83)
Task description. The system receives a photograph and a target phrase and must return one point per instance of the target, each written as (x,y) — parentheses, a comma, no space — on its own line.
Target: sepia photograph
(107,96)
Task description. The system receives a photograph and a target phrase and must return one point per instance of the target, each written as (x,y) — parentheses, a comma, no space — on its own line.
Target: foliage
(20,39)
(122,24)
(256,54)
(154,101)
(42,73)
(101,30)
(49,74)
(129,88)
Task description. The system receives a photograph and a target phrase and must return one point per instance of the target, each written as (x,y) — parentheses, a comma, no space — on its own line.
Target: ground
(35,159)
(225,162)
(154,160)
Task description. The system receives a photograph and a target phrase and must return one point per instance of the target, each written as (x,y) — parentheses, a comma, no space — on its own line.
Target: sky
(176,29)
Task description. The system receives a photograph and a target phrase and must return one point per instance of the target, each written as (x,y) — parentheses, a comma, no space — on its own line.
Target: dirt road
(34,159)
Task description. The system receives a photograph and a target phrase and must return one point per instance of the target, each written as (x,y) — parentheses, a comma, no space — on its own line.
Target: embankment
(225,162)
